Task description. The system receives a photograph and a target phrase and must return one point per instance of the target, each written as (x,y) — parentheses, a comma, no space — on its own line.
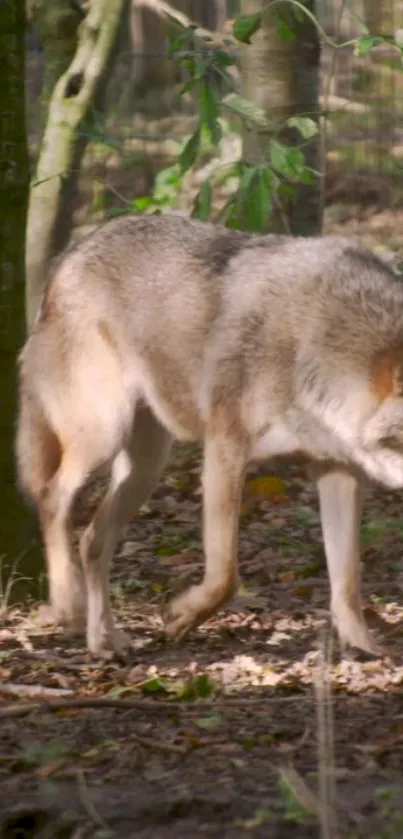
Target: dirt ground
(230,733)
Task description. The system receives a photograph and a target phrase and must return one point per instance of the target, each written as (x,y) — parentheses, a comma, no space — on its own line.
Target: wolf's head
(385,427)
(382,433)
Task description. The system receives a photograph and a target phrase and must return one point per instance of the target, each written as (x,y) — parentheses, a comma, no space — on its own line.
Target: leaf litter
(199,731)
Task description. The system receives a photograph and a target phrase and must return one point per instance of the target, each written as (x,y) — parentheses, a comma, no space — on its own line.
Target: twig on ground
(161,745)
(35,691)
(89,808)
(300,790)
(56,704)
(21,710)
(74,663)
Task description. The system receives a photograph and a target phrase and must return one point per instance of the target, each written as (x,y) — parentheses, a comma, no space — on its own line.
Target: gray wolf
(160,328)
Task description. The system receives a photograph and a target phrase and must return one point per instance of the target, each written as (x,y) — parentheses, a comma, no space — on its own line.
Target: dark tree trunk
(19,547)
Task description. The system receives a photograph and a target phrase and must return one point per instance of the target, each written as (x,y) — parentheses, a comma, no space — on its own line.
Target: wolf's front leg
(224,464)
(340,495)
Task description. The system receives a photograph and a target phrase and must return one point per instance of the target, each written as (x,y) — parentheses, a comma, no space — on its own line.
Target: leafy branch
(207,65)
(208,62)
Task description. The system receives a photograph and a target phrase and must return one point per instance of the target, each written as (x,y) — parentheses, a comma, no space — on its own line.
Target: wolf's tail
(37,448)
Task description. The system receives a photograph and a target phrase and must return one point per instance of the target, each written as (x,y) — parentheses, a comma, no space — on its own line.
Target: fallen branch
(50,705)
(21,710)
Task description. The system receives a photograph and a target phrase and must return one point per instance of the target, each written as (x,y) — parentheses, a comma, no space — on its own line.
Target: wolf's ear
(387,376)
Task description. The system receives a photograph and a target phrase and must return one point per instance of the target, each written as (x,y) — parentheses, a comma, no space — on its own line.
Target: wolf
(155,328)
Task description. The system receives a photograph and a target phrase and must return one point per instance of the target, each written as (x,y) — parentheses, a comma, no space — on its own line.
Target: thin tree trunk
(75,97)
(57,25)
(19,550)
(282,77)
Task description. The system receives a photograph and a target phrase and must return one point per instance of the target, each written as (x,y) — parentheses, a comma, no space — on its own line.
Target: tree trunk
(75,96)
(19,549)
(57,24)
(282,77)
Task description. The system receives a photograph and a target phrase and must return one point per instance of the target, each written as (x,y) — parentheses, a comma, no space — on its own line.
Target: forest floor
(223,734)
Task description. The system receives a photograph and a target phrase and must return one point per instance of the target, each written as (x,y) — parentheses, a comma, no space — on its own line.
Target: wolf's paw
(109,644)
(354,633)
(192,607)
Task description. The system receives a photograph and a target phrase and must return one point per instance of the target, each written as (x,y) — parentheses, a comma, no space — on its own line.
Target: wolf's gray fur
(155,328)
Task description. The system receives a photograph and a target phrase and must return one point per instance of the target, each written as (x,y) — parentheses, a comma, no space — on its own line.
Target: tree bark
(282,77)
(19,547)
(75,96)
(57,25)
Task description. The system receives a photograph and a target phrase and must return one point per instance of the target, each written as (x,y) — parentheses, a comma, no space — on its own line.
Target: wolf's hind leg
(135,472)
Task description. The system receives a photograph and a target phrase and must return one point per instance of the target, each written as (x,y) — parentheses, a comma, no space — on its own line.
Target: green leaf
(221,58)
(198,687)
(283,28)
(153,685)
(366,43)
(188,62)
(246,26)
(168,177)
(306,175)
(248,175)
(202,203)
(190,151)
(245,109)
(208,107)
(200,70)
(306,126)
(259,205)
(204,685)
(178,41)
(287,160)
(119,690)
(211,722)
(298,169)
(279,156)
(253,205)
(141,204)
(189,85)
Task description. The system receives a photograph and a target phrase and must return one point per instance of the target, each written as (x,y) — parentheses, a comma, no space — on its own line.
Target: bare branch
(182,21)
